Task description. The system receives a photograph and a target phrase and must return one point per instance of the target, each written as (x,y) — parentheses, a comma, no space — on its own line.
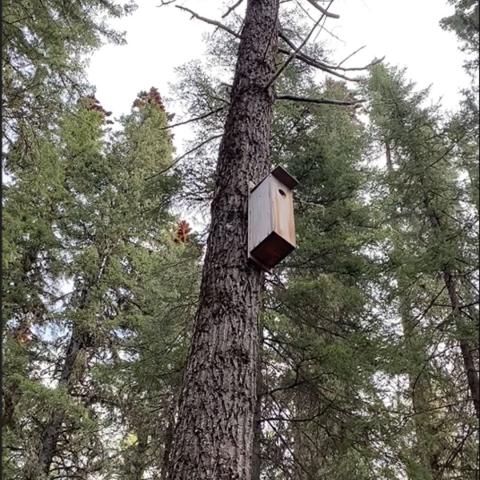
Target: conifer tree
(100,232)
(432,222)
(44,48)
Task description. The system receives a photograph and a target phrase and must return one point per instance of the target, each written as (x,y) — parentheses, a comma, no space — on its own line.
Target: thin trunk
(471,370)
(214,434)
(80,340)
(51,432)
(467,351)
(168,442)
(419,387)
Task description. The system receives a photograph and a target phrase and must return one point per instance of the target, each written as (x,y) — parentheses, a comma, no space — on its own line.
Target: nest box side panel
(260,223)
(282,204)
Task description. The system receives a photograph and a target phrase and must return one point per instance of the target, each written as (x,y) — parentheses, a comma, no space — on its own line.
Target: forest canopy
(138,345)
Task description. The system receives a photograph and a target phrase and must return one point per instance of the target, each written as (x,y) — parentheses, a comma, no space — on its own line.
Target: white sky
(159,39)
(406,32)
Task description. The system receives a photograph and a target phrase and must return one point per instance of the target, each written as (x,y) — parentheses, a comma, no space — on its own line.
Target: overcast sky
(406,32)
(159,39)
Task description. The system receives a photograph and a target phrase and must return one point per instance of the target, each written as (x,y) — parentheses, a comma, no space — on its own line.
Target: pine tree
(103,230)
(214,434)
(45,44)
(319,328)
(432,223)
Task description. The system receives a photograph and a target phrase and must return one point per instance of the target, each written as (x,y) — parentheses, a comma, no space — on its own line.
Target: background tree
(43,57)
(361,369)
(433,221)
(107,230)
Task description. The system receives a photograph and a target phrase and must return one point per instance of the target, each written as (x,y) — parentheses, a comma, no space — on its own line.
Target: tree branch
(312,61)
(375,61)
(323,10)
(232,8)
(194,119)
(321,101)
(181,157)
(294,53)
(351,55)
(209,20)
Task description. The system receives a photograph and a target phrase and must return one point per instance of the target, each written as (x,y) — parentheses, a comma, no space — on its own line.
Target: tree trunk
(471,370)
(467,351)
(257,416)
(168,441)
(419,386)
(51,432)
(214,433)
(79,342)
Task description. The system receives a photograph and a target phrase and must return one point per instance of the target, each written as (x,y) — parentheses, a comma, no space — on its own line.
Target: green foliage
(430,219)
(43,56)
(97,288)
(361,372)
(465,24)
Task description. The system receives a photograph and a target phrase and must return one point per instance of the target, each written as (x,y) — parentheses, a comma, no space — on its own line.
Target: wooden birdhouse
(271,226)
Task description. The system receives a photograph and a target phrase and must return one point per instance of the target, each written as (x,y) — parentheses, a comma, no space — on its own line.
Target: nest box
(271,226)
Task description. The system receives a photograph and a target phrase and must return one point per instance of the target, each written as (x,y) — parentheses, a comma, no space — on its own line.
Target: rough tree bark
(257,416)
(214,432)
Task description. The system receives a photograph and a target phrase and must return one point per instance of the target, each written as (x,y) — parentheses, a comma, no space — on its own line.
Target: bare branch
(322,101)
(375,61)
(323,10)
(210,21)
(351,55)
(194,119)
(313,62)
(232,8)
(300,55)
(181,157)
(306,12)
(166,2)
(317,64)
(295,52)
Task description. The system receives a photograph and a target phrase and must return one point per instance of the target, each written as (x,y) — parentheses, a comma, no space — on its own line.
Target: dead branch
(322,101)
(300,55)
(313,62)
(181,157)
(194,119)
(351,55)
(295,52)
(375,61)
(232,8)
(209,20)
(317,64)
(323,10)
(306,12)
